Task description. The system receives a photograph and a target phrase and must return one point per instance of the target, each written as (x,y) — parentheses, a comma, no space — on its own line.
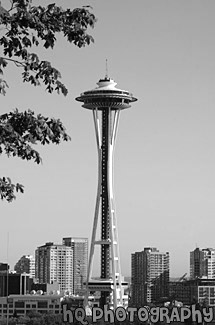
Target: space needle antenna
(106,69)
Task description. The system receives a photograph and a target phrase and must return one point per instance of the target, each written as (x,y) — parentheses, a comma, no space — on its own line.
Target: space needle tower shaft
(106,103)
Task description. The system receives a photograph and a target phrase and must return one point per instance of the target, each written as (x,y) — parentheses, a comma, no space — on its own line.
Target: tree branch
(12,6)
(15,61)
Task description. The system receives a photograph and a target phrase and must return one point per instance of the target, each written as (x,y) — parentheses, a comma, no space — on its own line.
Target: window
(212,292)
(21,311)
(19,304)
(42,304)
(212,302)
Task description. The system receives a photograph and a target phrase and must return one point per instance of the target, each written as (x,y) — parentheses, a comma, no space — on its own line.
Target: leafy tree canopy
(25,27)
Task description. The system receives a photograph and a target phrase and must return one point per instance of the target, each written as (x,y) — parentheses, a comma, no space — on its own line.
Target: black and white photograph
(107,173)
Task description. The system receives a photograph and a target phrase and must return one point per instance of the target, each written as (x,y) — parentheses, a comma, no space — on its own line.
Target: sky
(164,166)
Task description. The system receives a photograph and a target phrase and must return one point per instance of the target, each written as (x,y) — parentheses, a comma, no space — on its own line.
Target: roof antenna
(106,70)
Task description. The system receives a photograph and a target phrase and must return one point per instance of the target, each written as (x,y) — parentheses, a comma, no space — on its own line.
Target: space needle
(106,102)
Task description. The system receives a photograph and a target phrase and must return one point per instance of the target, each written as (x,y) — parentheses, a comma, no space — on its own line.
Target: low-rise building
(20,305)
(180,291)
(194,290)
(13,283)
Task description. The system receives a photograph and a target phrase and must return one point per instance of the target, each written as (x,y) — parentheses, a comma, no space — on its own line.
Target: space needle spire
(106,102)
(106,74)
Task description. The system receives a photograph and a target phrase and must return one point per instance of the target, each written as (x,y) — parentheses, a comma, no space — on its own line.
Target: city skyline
(203,254)
(163,52)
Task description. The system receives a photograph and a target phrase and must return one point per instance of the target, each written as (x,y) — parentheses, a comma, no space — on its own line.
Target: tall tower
(106,102)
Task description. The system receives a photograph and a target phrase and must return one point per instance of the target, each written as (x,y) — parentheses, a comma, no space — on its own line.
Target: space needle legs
(106,123)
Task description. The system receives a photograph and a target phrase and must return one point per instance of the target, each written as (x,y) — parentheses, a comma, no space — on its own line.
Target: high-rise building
(54,263)
(80,257)
(202,263)
(26,264)
(149,276)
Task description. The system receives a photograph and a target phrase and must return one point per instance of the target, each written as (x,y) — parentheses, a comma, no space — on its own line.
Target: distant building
(26,264)
(4,267)
(149,276)
(80,258)
(180,291)
(194,290)
(14,283)
(54,263)
(202,263)
(46,288)
(22,304)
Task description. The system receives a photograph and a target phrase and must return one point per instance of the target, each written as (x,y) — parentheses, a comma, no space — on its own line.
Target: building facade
(149,276)
(198,290)
(180,291)
(13,283)
(20,305)
(80,259)
(4,267)
(54,263)
(26,264)
(202,263)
